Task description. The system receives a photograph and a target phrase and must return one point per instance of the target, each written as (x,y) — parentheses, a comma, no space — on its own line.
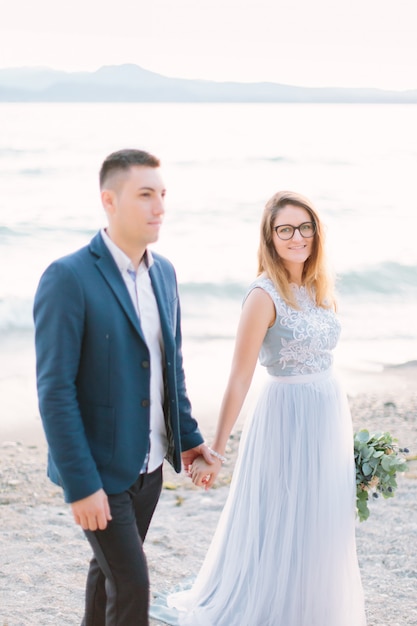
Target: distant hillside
(131,83)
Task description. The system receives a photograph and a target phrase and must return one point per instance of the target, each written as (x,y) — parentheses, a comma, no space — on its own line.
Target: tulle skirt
(284,551)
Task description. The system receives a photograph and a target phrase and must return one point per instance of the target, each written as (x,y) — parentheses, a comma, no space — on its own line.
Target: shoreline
(206,377)
(206,368)
(39,538)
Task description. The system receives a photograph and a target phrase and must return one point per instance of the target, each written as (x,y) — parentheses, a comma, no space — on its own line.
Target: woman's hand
(204,474)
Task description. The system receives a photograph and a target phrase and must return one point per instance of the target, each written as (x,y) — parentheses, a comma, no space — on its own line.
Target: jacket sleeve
(59,324)
(189,431)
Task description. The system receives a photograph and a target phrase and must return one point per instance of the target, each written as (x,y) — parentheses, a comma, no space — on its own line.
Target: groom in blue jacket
(111,385)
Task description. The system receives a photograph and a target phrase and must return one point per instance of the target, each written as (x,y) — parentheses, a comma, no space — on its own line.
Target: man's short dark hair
(123,160)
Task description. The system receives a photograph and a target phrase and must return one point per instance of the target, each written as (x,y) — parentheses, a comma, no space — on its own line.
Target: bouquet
(377,461)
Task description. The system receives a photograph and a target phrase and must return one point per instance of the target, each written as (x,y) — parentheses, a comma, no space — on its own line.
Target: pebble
(44,556)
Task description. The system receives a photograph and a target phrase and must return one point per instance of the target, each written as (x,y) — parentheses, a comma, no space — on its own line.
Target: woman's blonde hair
(316,276)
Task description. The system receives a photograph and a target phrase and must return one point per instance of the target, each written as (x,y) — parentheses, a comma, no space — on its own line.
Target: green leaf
(362,495)
(367,469)
(363,436)
(386,462)
(369,452)
(363,511)
(378,453)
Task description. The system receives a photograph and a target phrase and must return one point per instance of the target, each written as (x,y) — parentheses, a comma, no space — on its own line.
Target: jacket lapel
(163,298)
(111,274)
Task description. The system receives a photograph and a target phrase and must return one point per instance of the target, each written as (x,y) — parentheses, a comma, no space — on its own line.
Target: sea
(220,163)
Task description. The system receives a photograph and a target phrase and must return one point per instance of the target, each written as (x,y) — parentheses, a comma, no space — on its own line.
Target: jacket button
(145,364)
(145,403)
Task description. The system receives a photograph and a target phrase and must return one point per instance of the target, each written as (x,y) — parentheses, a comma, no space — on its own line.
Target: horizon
(38,68)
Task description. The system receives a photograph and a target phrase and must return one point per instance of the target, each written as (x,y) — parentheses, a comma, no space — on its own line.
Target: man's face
(134,202)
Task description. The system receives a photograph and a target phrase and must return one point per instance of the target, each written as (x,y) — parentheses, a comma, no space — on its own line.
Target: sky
(354,43)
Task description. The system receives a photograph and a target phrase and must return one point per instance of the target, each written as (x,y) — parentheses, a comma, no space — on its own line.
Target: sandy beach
(44,556)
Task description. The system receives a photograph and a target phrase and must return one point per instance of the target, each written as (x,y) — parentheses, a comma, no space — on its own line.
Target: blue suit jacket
(93,372)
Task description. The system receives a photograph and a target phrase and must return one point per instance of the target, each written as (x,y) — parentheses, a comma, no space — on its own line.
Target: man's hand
(189,455)
(93,512)
(202,474)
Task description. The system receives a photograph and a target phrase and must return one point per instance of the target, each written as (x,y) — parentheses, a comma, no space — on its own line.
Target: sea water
(221,163)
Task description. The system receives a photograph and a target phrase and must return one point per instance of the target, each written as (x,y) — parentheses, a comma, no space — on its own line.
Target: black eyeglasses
(286,231)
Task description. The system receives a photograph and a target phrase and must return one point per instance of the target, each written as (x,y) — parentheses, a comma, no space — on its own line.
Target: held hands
(202,465)
(93,512)
(188,456)
(204,474)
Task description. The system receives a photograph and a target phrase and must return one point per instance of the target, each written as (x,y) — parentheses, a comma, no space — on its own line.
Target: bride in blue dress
(284,552)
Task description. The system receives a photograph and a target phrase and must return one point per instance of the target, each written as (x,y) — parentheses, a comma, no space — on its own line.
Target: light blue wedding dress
(284,552)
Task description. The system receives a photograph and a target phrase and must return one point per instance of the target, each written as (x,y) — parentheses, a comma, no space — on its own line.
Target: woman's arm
(258,314)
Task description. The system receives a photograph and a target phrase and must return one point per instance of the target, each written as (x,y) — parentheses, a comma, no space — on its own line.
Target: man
(111,385)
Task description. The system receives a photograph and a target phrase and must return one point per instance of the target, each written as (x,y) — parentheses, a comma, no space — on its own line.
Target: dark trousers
(117,590)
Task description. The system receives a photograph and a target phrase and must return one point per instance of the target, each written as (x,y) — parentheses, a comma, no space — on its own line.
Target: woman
(284,552)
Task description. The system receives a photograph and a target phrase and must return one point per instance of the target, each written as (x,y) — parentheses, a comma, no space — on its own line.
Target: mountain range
(132,83)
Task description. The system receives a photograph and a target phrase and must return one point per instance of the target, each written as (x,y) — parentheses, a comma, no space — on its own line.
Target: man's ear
(108,201)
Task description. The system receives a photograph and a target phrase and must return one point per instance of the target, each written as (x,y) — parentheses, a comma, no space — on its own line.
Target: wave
(30,229)
(379,282)
(12,151)
(16,314)
(402,366)
(34,171)
(388,278)
(271,159)
(229,290)
(220,161)
(5,231)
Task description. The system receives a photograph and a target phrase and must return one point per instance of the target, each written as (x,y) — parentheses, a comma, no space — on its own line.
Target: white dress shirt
(140,290)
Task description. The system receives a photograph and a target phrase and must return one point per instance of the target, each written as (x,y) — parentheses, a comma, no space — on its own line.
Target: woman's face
(297,249)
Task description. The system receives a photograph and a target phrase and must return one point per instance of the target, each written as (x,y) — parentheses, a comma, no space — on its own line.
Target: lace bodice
(300,341)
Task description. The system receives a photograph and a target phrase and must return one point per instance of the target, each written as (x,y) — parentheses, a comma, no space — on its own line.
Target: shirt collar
(121,259)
